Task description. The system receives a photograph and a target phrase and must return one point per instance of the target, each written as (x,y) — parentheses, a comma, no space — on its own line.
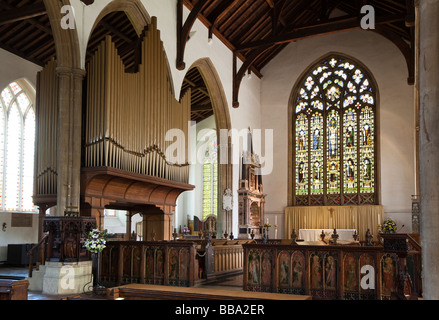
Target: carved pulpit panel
(66,238)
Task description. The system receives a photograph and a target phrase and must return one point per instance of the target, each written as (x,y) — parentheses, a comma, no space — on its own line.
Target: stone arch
(27,87)
(223,122)
(66,41)
(134,9)
(139,17)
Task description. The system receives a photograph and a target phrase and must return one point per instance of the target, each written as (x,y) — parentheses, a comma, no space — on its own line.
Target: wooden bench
(13,289)
(154,292)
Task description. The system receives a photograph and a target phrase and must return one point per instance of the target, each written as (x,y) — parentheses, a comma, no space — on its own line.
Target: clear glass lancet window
(17,140)
(334,127)
(210,178)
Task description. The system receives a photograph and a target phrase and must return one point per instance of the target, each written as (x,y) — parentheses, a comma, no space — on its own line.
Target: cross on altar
(331,211)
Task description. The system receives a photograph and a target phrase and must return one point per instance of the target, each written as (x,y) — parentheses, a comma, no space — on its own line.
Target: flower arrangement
(267,225)
(96,240)
(185,230)
(388,226)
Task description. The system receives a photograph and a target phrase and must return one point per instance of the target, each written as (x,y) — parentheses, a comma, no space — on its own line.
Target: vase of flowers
(267,225)
(95,242)
(185,231)
(388,226)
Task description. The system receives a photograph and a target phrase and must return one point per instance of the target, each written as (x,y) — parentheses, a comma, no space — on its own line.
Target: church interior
(219,149)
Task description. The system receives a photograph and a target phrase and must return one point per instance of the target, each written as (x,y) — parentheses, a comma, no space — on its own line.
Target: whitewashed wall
(396,111)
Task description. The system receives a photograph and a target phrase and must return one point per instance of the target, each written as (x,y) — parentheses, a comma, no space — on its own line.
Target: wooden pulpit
(66,238)
(403,245)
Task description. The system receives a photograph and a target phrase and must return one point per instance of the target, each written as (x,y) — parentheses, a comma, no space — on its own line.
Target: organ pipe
(129,114)
(46,126)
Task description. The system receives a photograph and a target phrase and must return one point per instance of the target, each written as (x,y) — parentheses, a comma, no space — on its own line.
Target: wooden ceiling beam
(406,49)
(220,36)
(222,11)
(22,13)
(276,10)
(411,16)
(183,30)
(6,47)
(250,15)
(115,31)
(255,20)
(270,3)
(332,26)
(238,75)
(197,108)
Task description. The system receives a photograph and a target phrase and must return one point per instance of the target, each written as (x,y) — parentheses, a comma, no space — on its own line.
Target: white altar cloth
(314,234)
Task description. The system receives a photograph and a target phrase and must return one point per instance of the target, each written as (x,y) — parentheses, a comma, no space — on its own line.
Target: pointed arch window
(17,147)
(334,130)
(210,178)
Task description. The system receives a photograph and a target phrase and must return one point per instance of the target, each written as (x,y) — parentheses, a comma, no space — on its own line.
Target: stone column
(69,132)
(429,144)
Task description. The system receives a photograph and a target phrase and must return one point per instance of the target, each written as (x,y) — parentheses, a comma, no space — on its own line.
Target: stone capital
(67,72)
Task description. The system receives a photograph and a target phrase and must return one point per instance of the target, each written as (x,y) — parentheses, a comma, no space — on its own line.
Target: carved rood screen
(330,272)
(334,130)
(159,263)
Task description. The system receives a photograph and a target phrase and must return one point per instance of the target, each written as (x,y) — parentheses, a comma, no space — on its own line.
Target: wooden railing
(41,260)
(228,259)
(219,257)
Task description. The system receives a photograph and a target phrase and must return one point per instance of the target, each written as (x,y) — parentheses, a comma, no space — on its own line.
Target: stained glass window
(334,127)
(17,141)
(210,179)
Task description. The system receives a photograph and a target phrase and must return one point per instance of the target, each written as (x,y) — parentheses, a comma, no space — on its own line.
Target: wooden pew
(153,292)
(13,289)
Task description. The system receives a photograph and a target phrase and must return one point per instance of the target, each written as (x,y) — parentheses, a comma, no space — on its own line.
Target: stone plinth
(67,278)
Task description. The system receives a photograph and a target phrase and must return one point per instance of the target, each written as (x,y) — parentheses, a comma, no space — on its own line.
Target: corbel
(237,76)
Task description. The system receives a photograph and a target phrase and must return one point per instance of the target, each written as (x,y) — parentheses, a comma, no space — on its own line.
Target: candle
(379,218)
(275,220)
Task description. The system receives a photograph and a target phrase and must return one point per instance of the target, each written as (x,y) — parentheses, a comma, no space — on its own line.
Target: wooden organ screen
(129,114)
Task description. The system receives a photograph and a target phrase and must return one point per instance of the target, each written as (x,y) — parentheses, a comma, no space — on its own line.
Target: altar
(361,218)
(314,234)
